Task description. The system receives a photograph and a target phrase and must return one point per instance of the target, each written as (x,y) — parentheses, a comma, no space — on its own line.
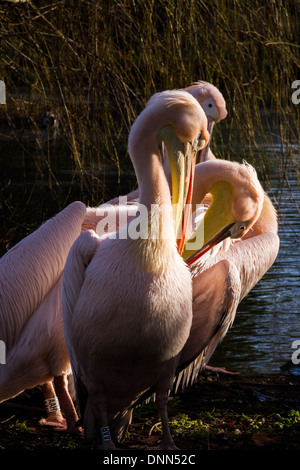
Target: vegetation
(94,64)
(217,413)
(261,426)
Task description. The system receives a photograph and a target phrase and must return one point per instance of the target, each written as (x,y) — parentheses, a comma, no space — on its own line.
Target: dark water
(268,319)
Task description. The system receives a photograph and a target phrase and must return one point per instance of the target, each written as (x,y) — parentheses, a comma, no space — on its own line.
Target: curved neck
(153,185)
(207,174)
(267,221)
(145,156)
(155,210)
(247,192)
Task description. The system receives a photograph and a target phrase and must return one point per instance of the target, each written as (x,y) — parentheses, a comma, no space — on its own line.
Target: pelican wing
(216,293)
(78,259)
(32,267)
(254,257)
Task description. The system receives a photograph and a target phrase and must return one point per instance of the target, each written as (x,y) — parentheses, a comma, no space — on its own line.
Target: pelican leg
(96,428)
(107,442)
(54,415)
(167,442)
(61,388)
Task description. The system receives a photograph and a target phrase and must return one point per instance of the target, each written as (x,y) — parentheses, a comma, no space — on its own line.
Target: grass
(18,427)
(254,425)
(218,427)
(290,421)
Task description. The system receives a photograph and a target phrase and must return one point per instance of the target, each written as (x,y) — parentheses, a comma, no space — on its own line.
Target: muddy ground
(219,412)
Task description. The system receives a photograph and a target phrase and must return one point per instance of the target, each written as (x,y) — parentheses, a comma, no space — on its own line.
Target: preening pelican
(242,208)
(127,301)
(223,274)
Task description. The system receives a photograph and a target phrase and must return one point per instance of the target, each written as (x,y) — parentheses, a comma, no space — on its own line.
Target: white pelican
(223,279)
(214,106)
(31,324)
(30,313)
(127,302)
(224,273)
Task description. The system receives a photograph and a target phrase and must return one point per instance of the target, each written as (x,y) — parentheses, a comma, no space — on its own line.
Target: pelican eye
(243,227)
(210,105)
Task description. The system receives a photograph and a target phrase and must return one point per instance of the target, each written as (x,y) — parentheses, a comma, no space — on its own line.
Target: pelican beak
(217,224)
(184,206)
(203,153)
(182,158)
(218,238)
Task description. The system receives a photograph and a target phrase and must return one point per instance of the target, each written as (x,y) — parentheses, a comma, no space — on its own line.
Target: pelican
(237,243)
(223,279)
(238,240)
(30,314)
(214,106)
(127,300)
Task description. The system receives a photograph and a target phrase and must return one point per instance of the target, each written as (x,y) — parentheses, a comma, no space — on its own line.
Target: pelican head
(184,134)
(237,201)
(214,106)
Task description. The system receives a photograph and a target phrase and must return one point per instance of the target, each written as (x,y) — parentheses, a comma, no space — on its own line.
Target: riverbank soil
(219,412)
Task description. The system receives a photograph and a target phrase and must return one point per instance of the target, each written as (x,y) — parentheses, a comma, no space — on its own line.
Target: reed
(96,63)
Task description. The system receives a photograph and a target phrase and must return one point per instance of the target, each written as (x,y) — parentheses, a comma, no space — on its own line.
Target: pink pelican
(234,245)
(109,372)
(222,279)
(127,300)
(30,313)
(214,106)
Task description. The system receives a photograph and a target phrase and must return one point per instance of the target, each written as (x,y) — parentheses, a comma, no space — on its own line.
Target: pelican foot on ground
(221,370)
(60,424)
(55,422)
(109,445)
